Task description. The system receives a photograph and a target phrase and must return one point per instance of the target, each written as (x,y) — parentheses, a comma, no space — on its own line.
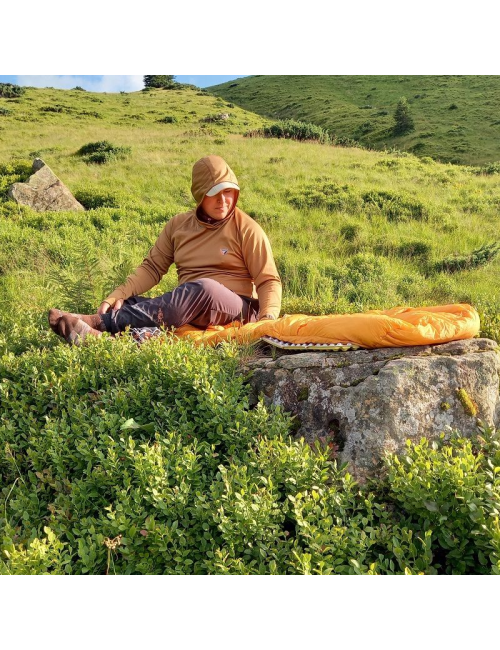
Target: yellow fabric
(396,327)
(235,251)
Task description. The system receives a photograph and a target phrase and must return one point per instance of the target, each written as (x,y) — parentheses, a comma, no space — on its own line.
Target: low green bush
(91,200)
(415,249)
(490,318)
(168,119)
(328,195)
(90,114)
(489,169)
(453,491)
(474,260)
(351,231)
(102,152)
(17,171)
(292,130)
(56,108)
(151,460)
(218,118)
(396,206)
(11,90)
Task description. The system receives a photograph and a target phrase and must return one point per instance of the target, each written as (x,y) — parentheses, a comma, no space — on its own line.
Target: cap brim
(222,186)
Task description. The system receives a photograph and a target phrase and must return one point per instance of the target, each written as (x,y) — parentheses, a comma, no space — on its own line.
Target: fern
(82,285)
(476,259)
(79,285)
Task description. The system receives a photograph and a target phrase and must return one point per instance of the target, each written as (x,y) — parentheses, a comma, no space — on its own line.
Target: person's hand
(104,307)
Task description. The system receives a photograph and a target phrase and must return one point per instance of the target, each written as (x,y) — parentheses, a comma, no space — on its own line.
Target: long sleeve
(150,272)
(259,260)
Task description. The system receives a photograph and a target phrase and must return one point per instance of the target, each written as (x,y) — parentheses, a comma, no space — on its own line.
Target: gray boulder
(369,402)
(44,191)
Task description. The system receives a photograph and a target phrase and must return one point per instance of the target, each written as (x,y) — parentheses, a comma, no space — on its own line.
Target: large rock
(368,402)
(44,191)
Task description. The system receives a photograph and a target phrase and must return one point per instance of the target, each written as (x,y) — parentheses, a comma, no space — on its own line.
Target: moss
(303,394)
(445,406)
(470,407)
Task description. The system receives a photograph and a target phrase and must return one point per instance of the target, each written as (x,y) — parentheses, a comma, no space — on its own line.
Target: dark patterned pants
(200,303)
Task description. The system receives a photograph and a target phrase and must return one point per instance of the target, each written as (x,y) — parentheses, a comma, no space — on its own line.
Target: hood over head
(211,175)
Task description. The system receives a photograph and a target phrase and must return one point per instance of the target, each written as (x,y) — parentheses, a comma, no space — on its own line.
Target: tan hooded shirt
(234,251)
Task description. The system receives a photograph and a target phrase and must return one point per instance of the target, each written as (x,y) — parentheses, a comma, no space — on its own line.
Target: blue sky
(108,83)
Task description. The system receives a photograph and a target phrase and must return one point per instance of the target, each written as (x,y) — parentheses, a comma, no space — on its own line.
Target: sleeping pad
(396,327)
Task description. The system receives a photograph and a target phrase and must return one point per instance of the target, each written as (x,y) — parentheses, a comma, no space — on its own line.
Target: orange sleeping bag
(400,326)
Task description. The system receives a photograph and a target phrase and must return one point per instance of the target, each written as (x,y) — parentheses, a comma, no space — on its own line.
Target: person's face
(220,205)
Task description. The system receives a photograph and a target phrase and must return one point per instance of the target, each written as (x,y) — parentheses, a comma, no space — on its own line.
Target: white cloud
(101,84)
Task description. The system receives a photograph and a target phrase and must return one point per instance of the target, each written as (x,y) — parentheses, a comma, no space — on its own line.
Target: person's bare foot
(74,330)
(93,320)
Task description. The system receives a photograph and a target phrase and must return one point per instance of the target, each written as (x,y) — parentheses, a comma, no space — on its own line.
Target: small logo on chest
(224,251)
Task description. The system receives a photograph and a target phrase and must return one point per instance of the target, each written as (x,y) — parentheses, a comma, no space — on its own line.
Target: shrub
(14,172)
(403,121)
(452,493)
(331,196)
(90,114)
(54,109)
(102,152)
(168,119)
(292,130)
(151,461)
(364,267)
(11,90)
(94,147)
(79,88)
(364,128)
(215,117)
(490,168)
(396,207)
(351,231)
(489,315)
(477,258)
(419,249)
(4,111)
(92,200)
(409,286)
(345,141)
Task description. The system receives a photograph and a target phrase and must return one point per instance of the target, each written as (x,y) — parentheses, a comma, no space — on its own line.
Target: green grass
(346,225)
(456,117)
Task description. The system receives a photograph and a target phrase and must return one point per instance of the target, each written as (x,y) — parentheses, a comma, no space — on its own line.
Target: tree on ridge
(159,81)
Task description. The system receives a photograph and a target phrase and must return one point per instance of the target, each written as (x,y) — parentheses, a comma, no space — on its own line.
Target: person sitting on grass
(224,261)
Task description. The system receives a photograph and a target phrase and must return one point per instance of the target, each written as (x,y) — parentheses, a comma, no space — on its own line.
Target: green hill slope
(351,229)
(456,117)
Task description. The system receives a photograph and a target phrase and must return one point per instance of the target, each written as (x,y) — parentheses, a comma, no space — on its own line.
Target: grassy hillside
(351,229)
(121,459)
(456,117)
